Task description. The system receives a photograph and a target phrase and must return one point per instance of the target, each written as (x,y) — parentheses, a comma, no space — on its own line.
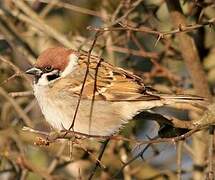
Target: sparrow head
(52,64)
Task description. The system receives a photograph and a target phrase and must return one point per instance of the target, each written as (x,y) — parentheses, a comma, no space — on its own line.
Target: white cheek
(73,61)
(43,81)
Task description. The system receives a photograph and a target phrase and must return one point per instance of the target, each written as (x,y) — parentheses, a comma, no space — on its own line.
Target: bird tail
(183,98)
(191,99)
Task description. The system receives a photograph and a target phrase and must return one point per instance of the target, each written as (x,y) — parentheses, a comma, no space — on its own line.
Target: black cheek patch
(52,77)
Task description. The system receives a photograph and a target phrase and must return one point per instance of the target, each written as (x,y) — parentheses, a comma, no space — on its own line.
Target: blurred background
(143,36)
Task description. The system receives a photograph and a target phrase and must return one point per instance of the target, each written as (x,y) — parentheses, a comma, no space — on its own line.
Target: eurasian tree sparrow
(120,95)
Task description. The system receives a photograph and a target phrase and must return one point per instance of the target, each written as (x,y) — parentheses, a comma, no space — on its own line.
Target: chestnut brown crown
(54,58)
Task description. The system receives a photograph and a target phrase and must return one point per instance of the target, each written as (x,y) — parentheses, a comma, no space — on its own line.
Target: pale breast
(59,109)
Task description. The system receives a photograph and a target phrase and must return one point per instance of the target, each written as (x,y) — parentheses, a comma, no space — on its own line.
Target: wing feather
(112,83)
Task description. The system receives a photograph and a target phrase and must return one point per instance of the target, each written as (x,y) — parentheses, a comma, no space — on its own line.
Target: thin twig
(84,80)
(73,8)
(34,20)
(179,158)
(160,34)
(211,168)
(125,14)
(94,93)
(15,68)
(25,128)
(139,155)
(192,60)
(50,138)
(17,108)
(101,152)
(48,8)
(13,35)
(153,55)
(55,161)
(23,93)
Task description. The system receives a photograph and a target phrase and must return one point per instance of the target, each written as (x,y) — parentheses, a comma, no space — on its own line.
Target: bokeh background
(143,36)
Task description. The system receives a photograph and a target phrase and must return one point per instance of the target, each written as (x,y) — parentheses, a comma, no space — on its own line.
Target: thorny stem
(160,34)
(72,134)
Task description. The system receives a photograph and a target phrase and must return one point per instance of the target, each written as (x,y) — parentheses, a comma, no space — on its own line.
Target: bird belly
(107,117)
(59,110)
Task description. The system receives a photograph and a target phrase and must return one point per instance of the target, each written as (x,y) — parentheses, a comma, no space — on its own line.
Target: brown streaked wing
(112,83)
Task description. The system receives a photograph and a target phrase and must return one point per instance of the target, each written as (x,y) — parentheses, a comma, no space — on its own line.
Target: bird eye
(48,68)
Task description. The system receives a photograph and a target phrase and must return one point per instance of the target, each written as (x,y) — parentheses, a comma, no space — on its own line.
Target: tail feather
(183,98)
(191,99)
(170,100)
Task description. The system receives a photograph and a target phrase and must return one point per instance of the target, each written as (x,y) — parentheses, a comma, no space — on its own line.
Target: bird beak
(34,71)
